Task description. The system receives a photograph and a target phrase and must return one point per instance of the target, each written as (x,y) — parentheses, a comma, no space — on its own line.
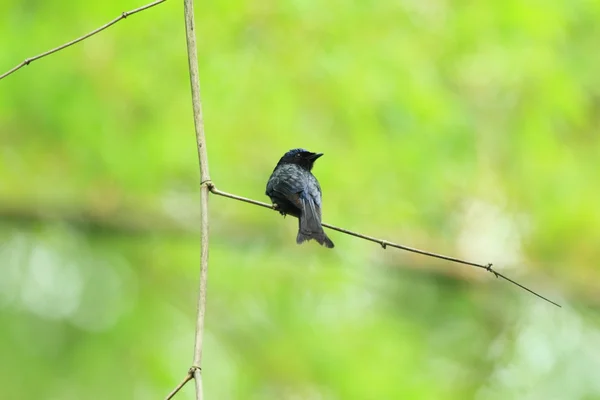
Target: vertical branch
(205,180)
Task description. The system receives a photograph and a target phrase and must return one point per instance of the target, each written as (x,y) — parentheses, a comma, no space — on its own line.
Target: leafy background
(467,128)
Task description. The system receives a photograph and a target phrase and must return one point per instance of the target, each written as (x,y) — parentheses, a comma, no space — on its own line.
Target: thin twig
(123,15)
(384,243)
(188,377)
(190,34)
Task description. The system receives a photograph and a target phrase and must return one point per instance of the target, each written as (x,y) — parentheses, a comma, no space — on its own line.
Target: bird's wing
(311,212)
(314,191)
(285,189)
(311,209)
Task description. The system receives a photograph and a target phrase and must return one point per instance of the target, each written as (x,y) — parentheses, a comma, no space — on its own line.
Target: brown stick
(190,35)
(188,377)
(385,243)
(123,15)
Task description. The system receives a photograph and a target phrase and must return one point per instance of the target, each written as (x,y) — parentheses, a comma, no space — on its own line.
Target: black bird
(295,191)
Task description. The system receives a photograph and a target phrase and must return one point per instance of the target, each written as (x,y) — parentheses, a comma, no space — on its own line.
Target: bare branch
(123,15)
(188,377)
(198,382)
(190,34)
(384,243)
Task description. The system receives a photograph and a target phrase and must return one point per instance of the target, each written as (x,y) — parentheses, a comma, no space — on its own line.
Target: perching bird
(295,191)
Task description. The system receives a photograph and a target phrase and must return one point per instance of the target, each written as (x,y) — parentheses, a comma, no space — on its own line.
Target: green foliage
(469,129)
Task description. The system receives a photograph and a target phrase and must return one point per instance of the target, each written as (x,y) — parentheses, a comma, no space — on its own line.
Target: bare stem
(198,382)
(384,243)
(190,35)
(123,15)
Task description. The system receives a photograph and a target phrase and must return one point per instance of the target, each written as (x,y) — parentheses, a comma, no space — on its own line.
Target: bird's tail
(320,237)
(310,227)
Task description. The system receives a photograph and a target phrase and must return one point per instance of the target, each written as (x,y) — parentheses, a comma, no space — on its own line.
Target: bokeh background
(467,128)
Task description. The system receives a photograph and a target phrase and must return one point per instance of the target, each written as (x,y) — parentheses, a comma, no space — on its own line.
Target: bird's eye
(298,155)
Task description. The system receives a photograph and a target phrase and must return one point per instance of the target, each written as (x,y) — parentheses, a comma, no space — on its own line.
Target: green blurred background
(467,128)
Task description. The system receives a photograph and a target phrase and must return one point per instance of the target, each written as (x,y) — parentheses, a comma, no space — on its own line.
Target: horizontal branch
(123,15)
(385,243)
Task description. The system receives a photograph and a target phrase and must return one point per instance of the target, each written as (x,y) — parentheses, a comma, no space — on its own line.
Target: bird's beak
(314,156)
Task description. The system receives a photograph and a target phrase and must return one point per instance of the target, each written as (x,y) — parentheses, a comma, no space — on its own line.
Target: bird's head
(301,157)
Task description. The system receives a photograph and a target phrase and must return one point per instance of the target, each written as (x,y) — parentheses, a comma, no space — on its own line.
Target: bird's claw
(275,207)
